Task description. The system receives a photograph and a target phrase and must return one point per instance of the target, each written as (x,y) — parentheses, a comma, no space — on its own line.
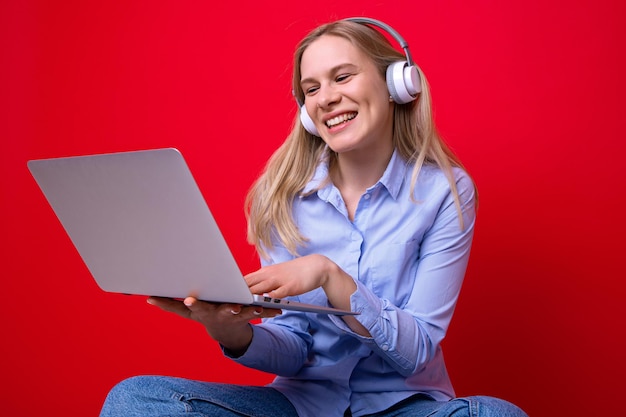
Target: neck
(355,173)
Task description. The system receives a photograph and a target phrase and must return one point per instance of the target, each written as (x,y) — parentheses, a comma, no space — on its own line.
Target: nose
(327,97)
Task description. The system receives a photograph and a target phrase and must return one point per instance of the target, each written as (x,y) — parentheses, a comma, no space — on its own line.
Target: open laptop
(141,225)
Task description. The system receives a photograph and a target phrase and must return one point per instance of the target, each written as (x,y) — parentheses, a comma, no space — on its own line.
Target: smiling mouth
(335,121)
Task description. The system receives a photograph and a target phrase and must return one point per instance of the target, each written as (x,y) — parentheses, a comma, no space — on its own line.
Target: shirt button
(385,347)
(366,196)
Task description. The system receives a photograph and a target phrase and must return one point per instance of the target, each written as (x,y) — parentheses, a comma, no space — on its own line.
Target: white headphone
(403,80)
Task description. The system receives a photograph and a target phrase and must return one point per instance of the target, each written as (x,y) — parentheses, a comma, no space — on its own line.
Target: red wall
(529,93)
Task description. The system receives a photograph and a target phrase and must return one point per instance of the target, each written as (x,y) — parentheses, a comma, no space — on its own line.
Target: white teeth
(340,119)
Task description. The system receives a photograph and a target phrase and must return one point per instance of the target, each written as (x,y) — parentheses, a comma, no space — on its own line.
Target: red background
(529,94)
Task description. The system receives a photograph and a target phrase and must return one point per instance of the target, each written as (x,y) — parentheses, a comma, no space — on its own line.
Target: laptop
(141,226)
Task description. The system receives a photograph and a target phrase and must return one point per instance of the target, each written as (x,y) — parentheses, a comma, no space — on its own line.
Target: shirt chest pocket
(392,272)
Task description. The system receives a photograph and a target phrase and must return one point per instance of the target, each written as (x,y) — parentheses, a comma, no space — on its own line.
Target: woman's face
(346,97)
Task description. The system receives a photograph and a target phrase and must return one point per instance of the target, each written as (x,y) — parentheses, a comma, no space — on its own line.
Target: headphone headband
(394,34)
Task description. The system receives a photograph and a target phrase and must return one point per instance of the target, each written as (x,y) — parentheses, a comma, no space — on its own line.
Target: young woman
(364,209)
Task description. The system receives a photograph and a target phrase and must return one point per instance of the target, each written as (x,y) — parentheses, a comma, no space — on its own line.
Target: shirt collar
(320,176)
(392,178)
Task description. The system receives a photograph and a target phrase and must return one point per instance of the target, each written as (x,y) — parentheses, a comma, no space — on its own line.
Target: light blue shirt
(408,258)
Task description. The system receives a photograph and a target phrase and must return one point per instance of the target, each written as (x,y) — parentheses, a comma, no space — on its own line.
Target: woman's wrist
(337,284)
(236,343)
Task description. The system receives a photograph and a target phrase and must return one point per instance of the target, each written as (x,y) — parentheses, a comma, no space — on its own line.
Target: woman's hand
(305,274)
(293,277)
(228,324)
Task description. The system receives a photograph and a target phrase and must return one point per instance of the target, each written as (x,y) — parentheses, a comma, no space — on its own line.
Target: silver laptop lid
(141,225)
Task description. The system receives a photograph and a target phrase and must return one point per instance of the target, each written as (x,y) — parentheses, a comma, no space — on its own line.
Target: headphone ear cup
(307,122)
(403,82)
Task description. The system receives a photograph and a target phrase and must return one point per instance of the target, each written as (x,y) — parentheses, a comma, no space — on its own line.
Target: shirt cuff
(252,355)
(369,306)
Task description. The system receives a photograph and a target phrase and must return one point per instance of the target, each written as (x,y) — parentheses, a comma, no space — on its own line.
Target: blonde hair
(270,199)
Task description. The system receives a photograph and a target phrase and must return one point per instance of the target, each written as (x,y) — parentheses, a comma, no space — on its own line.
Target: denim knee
(135,394)
(145,396)
(485,406)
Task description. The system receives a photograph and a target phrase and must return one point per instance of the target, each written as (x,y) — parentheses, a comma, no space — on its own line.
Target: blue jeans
(153,396)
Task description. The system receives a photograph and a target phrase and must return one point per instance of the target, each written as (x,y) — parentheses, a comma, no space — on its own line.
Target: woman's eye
(343,77)
(310,90)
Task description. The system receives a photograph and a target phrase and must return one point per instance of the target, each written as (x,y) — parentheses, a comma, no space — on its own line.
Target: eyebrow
(333,70)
